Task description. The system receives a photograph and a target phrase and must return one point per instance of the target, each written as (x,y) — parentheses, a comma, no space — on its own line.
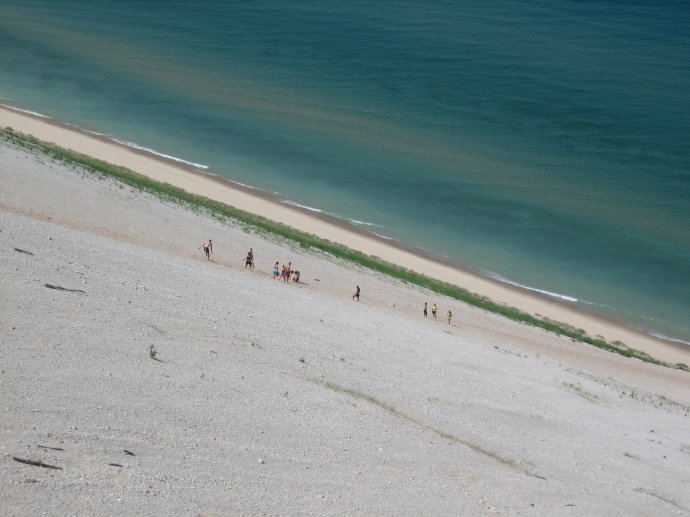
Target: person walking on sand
(356,293)
(425,313)
(276,271)
(249,260)
(286,278)
(208,248)
(433,310)
(450,317)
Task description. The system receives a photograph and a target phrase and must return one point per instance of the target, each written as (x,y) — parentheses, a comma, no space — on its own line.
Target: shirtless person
(249,261)
(208,248)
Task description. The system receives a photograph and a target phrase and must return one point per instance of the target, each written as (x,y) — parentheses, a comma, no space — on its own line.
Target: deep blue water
(544,143)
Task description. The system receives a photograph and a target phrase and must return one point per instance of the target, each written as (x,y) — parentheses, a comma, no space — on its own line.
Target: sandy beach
(266,398)
(215,188)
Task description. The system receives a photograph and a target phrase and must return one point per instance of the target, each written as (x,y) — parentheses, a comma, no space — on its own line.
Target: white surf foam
(310,208)
(122,142)
(162,155)
(240,183)
(672,339)
(535,290)
(364,223)
(29,112)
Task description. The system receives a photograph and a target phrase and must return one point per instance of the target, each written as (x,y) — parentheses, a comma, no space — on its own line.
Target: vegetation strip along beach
(307,241)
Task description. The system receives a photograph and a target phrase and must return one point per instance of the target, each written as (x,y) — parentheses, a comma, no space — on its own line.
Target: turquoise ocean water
(542,143)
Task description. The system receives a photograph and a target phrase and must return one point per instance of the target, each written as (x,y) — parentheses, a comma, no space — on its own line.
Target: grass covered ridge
(307,241)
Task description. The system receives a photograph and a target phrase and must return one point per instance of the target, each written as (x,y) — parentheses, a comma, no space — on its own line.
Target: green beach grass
(307,241)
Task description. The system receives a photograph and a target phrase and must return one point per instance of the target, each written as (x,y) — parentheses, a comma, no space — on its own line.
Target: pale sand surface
(274,399)
(175,174)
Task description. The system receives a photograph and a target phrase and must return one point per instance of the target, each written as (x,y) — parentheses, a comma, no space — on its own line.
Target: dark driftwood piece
(51,448)
(36,463)
(23,251)
(58,288)
(129,452)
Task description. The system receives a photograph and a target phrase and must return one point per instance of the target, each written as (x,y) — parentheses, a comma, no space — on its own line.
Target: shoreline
(166,384)
(184,175)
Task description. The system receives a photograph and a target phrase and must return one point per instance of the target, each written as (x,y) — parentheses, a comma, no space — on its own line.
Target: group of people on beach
(425,310)
(287,274)
(434,312)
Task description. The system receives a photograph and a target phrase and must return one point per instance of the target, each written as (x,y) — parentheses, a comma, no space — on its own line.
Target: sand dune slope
(273,399)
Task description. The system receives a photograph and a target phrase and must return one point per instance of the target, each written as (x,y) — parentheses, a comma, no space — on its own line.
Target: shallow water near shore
(541,145)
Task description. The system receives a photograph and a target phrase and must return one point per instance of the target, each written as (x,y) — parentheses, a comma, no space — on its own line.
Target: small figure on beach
(249,260)
(450,317)
(286,269)
(425,313)
(276,271)
(434,309)
(356,293)
(208,248)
